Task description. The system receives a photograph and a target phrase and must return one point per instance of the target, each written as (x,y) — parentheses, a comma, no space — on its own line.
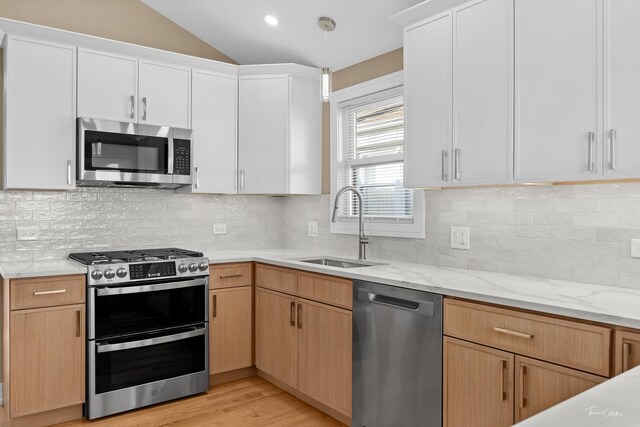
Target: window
(368,153)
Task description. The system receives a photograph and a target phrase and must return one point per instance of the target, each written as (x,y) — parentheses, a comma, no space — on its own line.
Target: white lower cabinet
(214,123)
(39,115)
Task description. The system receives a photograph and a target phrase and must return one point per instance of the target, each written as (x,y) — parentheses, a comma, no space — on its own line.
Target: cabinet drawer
(574,344)
(230,275)
(47,292)
(277,278)
(327,289)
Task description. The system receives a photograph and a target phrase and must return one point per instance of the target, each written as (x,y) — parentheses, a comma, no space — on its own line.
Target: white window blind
(370,150)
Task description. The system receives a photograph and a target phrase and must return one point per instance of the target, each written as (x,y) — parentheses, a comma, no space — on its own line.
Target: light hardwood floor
(247,402)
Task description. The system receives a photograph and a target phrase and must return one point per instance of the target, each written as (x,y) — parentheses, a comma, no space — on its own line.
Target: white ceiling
(237,28)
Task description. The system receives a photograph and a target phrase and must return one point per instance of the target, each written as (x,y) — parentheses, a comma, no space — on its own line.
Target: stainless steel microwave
(119,154)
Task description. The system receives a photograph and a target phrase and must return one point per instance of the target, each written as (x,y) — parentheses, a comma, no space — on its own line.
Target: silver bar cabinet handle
(197,177)
(242,179)
(612,149)
(133,107)
(68,172)
(591,166)
(444,165)
(457,164)
(144,108)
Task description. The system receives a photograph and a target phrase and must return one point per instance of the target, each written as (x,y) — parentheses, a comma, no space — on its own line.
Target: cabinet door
(276,335)
(324,354)
(477,385)
(541,385)
(558,86)
(231,326)
(483,92)
(622,38)
(427,59)
(627,351)
(214,130)
(40,115)
(165,95)
(107,86)
(264,135)
(47,359)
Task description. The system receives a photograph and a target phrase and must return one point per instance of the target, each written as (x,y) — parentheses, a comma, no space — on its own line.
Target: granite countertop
(606,304)
(613,403)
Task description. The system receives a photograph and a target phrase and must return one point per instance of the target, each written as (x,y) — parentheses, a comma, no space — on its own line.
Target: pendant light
(327,25)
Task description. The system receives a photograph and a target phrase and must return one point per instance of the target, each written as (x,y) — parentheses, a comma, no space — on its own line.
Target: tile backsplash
(579,232)
(567,232)
(96,218)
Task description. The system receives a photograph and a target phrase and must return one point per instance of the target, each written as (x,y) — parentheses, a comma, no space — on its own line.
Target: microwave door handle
(170,160)
(106,348)
(149,288)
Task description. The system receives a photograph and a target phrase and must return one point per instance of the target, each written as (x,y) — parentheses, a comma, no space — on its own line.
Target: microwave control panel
(181,157)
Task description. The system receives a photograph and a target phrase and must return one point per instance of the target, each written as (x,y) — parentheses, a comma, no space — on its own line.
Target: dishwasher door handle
(422,307)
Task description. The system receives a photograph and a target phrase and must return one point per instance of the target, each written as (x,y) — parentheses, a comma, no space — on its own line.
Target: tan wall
(378,66)
(125,20)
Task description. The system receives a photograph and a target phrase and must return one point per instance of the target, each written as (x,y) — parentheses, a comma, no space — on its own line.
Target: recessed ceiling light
(271,20)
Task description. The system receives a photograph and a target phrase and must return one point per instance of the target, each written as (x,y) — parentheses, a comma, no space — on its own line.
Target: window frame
(387,228)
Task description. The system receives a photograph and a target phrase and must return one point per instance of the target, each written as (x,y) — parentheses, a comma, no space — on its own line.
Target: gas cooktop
(139,255)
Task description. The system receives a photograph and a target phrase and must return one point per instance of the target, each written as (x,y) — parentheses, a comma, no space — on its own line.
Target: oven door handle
(149,288)
(106,348)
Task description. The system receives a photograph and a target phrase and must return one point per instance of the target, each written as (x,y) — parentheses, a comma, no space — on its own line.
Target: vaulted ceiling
(237,28)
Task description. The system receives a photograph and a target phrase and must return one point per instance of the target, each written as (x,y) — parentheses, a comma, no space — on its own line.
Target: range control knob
(182,268)
(109,273)
(121,272)
(193,267)
(203,266)
(96,274)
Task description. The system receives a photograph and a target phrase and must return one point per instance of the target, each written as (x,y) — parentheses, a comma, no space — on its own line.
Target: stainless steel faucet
(362,251)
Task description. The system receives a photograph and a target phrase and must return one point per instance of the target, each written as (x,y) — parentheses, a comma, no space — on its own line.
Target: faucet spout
(363,241)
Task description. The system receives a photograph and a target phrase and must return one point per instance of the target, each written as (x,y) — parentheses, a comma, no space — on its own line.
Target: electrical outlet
(313,228)
(28,233)
(635,248)
(460,238)
(219,228)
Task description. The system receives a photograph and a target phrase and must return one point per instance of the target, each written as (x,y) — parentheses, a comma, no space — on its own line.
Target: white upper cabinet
(427,59)
(107,86)
(165,94)
(558,82)
(214,123)
(39,115)
(459,97)
(483,93)
(280,148)
(622,89)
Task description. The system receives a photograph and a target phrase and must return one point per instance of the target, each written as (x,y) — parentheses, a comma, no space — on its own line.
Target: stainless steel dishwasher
(397,357)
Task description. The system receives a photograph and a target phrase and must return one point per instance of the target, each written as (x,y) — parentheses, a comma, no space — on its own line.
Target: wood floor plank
(248,402)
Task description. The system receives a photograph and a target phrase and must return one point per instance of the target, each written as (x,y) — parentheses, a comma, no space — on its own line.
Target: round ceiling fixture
(326,24)
(271,20)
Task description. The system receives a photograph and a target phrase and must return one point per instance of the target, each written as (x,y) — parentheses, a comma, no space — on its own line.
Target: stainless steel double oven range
(147,328)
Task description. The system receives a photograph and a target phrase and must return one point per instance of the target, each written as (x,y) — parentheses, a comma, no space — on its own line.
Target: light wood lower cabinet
(324,354)
(276,335)
(46,359)
(307,344)
(540,385)
(230,329)
(478,385)
(627,351)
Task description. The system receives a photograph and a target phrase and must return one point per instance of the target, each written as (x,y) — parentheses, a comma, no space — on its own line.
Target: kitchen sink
(341,263)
